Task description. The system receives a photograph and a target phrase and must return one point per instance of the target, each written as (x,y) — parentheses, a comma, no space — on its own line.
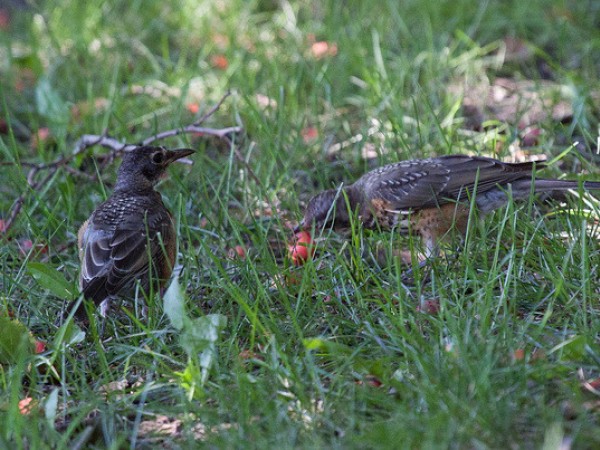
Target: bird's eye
(158,158)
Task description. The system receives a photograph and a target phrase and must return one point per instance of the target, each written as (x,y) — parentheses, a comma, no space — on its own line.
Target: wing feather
(117,252)
(433,182)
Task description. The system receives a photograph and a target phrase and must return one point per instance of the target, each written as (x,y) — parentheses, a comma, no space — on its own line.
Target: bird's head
(329,209)
(143,166)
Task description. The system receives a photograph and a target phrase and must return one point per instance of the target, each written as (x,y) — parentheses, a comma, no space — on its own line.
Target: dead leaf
(91,107)
(521,103)
(237,252)
(26,246)
(25,79)
(40,137)
(592,386)
(530,135)
(431,306)
(219,62)
(373,381)
(193,108)
(26,405)
(4,19)
(518,355)
(369,151)
(309,134)
(116,386)
(249,354)
(322,49)
(39,347)
(162,425)
(265,102)
(517,50)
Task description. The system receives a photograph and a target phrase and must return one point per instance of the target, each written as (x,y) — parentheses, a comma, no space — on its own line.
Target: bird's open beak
(174,155)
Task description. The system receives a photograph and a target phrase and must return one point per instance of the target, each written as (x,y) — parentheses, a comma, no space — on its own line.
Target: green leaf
(190,379)
(68,334)
(51,407)
(572,349)
(326,347)
(174,304)
(202,333)
(199,339)
(353,357)
(14,339)
(51,279)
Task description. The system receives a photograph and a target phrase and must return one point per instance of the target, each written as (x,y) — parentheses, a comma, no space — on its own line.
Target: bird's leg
(408,275)
(141,299)
(104,306)
(431,251)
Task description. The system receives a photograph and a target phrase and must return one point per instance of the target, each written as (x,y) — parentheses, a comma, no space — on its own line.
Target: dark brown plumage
(429,196)
(131,232)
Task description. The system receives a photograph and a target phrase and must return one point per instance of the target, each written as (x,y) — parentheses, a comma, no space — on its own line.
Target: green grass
(336,354)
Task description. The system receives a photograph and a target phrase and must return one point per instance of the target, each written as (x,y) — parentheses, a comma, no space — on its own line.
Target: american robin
(429,196)
(130,237)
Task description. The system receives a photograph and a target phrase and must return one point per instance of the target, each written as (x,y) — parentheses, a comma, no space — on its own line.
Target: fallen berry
(302,248)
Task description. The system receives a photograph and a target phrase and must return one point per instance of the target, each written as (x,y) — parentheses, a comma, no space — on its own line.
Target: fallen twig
(213,110)
(217,132)
(18,204)
(89,140)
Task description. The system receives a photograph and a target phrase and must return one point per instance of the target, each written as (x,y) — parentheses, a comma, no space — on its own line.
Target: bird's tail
(544,185)
(521,190)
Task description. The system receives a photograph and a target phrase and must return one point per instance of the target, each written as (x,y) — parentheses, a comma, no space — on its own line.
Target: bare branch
(80,174)
(217,132)
(18,204)
(212,110)
(89,140)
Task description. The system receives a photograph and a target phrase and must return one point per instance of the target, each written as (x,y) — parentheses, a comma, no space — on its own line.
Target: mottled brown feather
(430,196)
(130,237)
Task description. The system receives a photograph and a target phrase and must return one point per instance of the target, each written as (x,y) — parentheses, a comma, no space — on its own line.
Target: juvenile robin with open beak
(429,197)
(130,238)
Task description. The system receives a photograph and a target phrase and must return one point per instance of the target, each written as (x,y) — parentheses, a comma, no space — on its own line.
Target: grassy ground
(499,349)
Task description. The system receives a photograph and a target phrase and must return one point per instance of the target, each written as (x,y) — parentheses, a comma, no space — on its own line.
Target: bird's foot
(104,307)
(408,276)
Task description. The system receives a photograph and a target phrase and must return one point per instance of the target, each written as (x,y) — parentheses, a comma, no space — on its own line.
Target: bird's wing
(112,259)
(432,182)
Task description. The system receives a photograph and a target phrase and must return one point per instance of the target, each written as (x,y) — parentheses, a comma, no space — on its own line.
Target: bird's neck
(353,195)
(137,185)
(348,202)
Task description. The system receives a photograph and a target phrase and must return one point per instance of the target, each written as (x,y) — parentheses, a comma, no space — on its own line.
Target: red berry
(237,252)
(302,248)
(40,347)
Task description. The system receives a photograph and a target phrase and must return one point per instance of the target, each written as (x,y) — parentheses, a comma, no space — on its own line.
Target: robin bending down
(130,237)
(429,196)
